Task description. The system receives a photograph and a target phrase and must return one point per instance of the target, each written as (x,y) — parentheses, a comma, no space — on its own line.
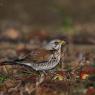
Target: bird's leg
(39,80)
(37,85)
(42,76)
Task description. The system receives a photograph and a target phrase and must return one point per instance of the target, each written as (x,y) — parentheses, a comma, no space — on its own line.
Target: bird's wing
(38,56)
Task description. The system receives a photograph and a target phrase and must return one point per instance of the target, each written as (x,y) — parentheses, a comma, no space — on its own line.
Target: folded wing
(38,56)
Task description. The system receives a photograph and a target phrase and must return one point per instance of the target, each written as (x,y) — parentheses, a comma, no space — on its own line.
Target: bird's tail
(6,61)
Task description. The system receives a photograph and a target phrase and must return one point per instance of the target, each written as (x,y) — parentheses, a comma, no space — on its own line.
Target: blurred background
(68,17)
(29,24)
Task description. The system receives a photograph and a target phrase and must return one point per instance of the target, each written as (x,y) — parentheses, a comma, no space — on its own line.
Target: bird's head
(55,44)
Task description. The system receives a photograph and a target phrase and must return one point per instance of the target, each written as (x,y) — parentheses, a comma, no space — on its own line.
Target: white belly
(43,66)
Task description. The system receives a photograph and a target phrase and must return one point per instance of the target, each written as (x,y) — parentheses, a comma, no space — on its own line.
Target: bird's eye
(56,43)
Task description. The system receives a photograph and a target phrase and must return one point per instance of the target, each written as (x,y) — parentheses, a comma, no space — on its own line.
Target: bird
(42,59)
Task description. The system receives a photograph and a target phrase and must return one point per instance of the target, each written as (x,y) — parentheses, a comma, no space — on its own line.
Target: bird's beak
(62,42)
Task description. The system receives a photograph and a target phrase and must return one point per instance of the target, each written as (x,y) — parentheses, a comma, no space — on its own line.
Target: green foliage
(93,65)
(3,78)
(67,22)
